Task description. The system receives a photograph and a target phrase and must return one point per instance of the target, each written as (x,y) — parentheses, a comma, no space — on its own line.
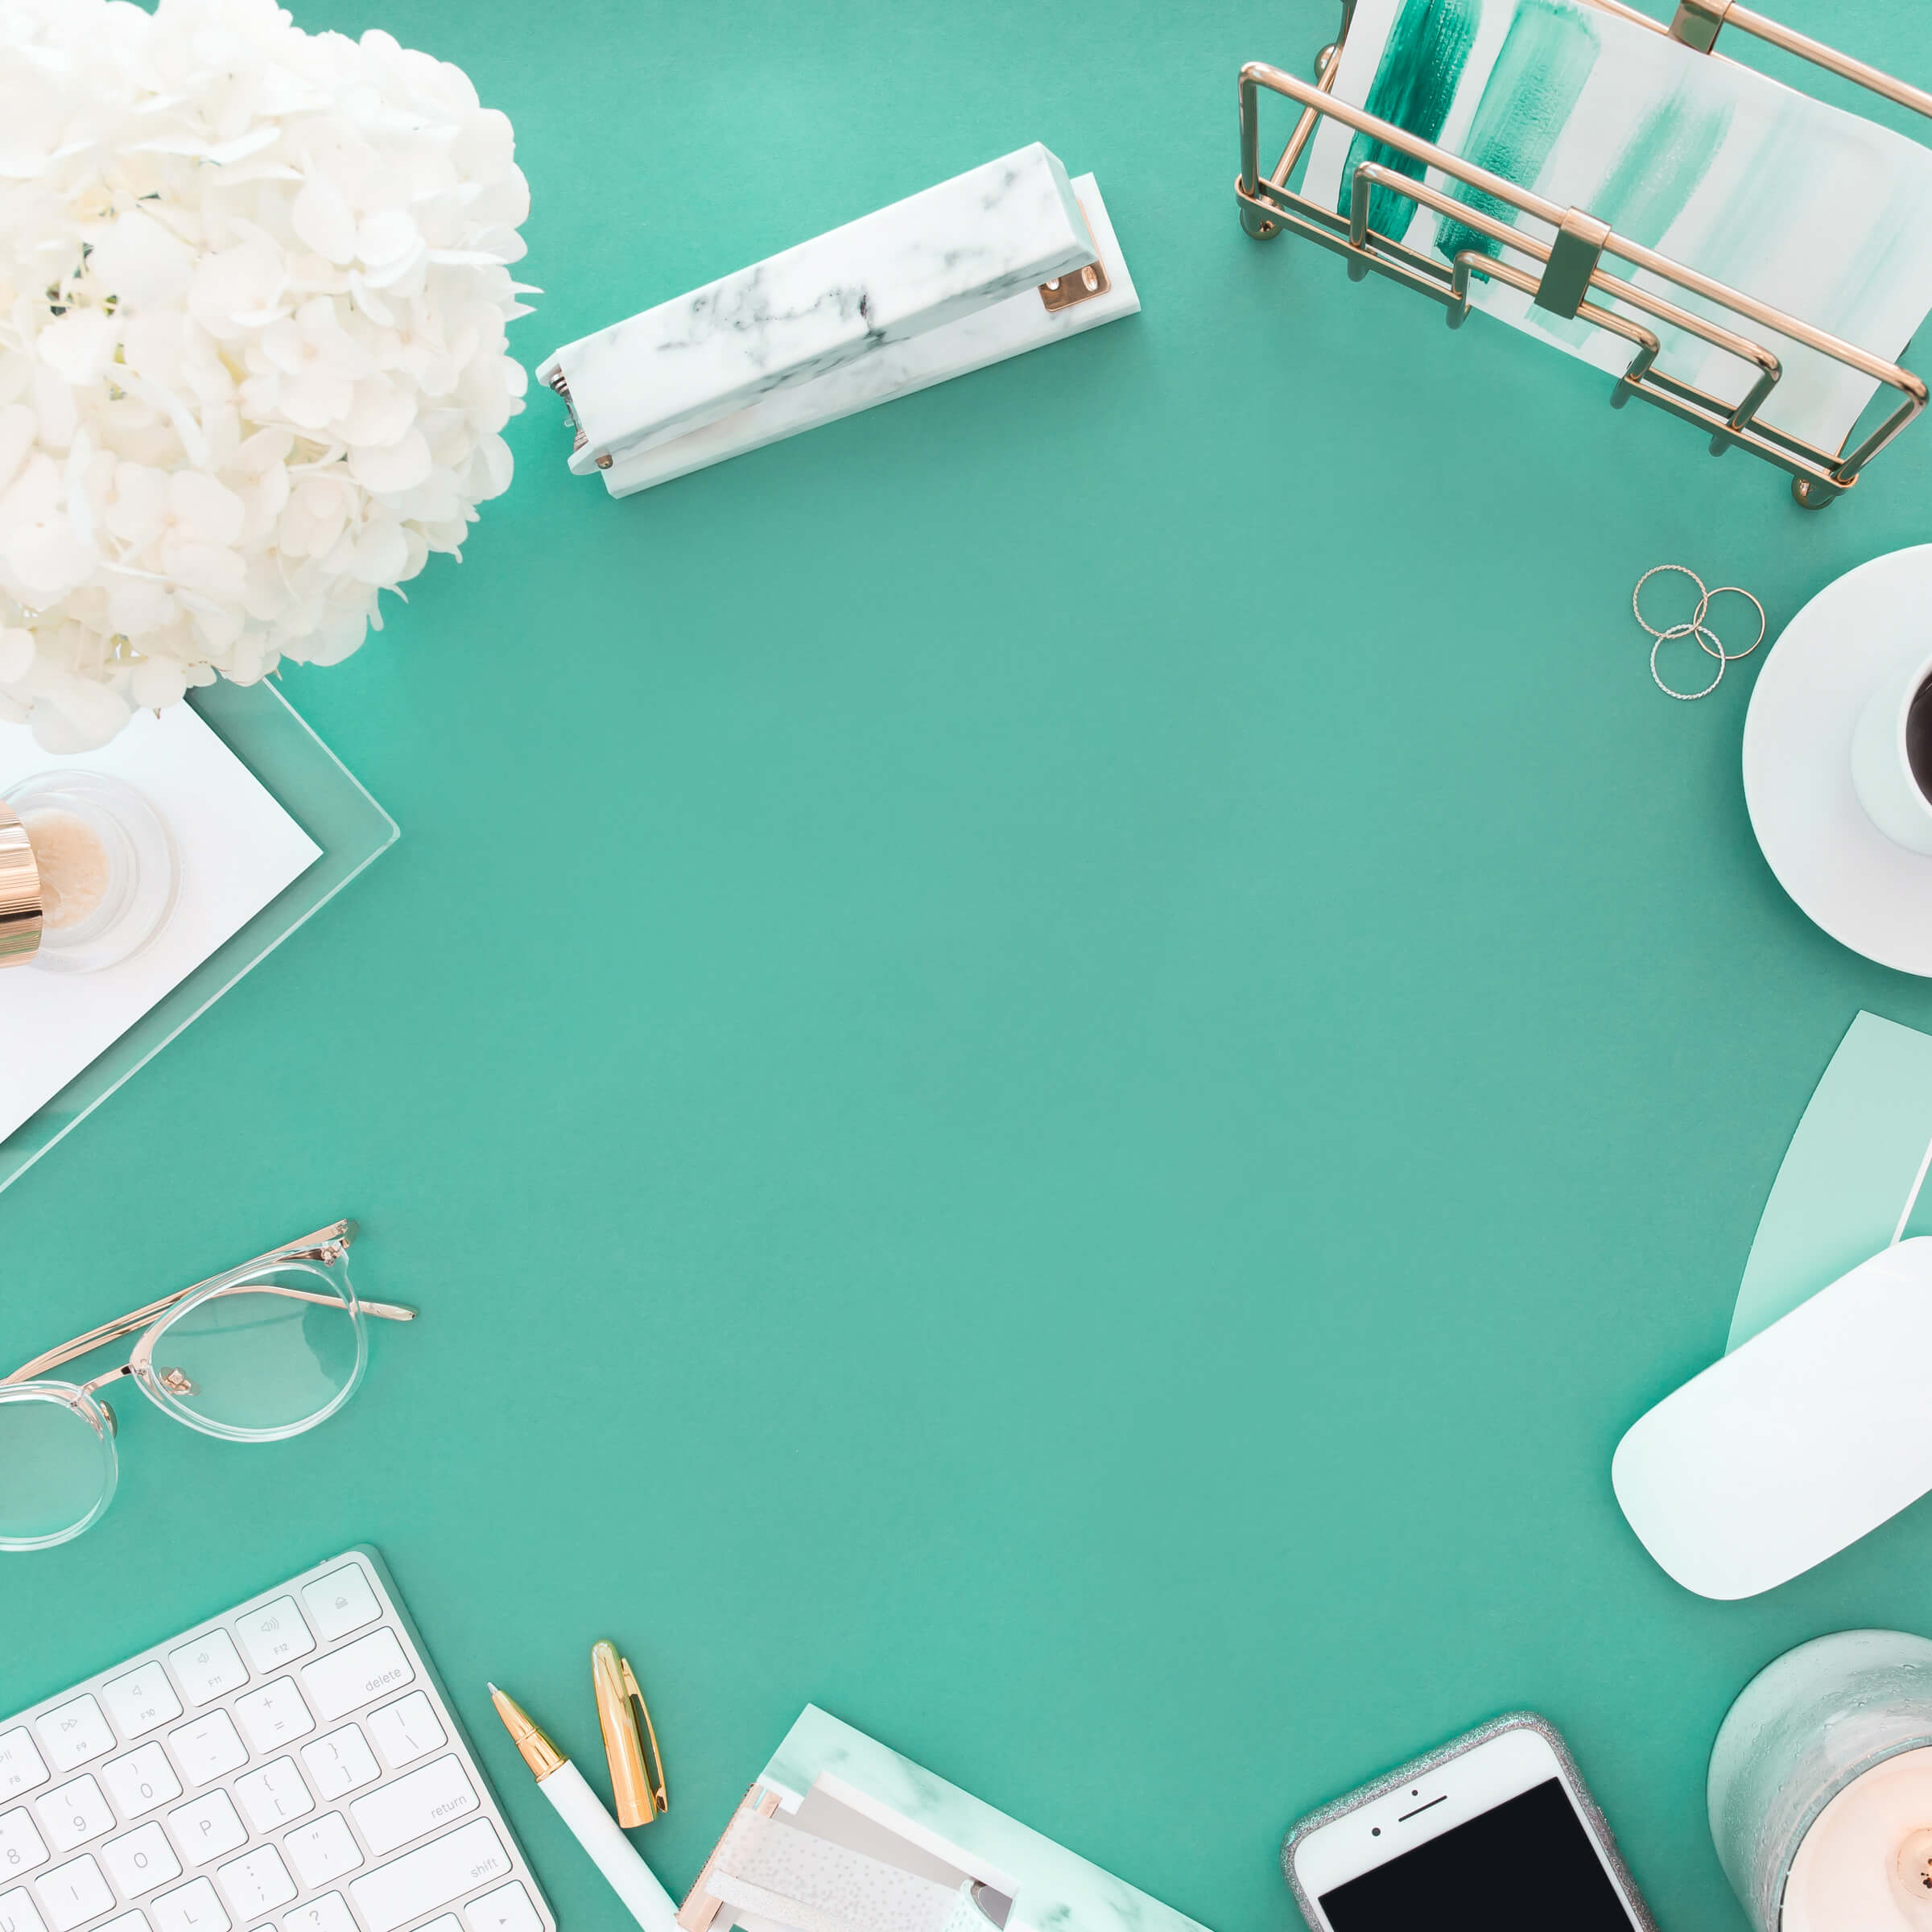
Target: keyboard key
(207,1828)
(273,1715)
(194,1908)
(330,1913)
(341,1602)
(73,1814)
(74,1733)
(207,1748)
(321,1851)
(21,1849)
(73,1893)
(139,1781)
(273,1795)
(405,1731)
(140,1861)
(274,1635)
(439,1874)
(368,1667)
(21,1765)
(394,1814)
(339,1762)
(135,1921)
(18,1912)
(506,1909)
(258,1881)
(142,1701)
(208,1666)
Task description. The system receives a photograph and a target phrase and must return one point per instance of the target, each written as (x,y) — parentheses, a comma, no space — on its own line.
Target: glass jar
(87,872)
(1819,1778)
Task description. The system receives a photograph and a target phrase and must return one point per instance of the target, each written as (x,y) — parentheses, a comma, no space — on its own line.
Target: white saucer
(1843,872)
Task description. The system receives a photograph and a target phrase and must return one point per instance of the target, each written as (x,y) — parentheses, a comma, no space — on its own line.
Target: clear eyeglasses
(266,1350)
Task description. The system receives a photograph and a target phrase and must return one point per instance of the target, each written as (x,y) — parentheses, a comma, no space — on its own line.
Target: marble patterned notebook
(841,1834)
(1815,211)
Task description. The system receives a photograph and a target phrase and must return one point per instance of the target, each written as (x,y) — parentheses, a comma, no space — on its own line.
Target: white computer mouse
(1796,1443)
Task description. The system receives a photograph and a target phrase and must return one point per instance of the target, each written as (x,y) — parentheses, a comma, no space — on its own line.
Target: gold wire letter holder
(1566,274)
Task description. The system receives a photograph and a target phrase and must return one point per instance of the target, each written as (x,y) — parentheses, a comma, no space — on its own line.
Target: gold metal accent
(539,1753)
(636,1785)
(1267,205)
(1697,23)
(560,384)
(699,1908)
(325,1244)
(1573,259)
(1077,284)
(19,892)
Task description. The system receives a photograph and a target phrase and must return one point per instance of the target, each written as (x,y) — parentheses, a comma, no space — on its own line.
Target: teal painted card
(1809,208)
(1843,1191)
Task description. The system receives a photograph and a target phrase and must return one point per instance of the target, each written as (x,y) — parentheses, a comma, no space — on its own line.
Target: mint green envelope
(1849,1177)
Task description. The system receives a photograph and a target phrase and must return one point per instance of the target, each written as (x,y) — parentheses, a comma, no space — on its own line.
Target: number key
(21,1849)
(74,1814)
(139,1781)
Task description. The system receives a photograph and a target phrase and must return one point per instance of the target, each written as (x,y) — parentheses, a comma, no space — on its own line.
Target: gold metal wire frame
(324,1245)
(1568,268)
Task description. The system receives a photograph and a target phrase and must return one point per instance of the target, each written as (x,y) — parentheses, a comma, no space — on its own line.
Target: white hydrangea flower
(253,289)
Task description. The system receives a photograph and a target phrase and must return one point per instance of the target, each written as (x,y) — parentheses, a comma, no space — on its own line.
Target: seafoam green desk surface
(1052,1065)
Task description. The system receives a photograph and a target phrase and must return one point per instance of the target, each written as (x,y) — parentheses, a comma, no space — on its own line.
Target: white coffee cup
(1896,723)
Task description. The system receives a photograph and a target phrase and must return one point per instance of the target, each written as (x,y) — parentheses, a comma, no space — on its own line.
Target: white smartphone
(1496,1831)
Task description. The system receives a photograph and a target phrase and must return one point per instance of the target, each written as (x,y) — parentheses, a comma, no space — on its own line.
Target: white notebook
(237,850)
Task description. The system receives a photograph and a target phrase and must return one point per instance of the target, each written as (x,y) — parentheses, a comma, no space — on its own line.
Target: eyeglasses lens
(55,1471)
(257,1360)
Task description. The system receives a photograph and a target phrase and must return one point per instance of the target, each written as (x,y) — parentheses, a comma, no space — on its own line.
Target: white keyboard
(290,1766)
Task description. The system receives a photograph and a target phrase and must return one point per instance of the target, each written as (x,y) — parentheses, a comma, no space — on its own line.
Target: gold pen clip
(636,1783)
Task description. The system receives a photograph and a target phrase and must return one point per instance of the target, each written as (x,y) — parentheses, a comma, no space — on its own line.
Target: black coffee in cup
(1918,738)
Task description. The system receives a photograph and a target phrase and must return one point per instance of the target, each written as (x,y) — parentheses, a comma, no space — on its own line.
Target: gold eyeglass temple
(324,1245)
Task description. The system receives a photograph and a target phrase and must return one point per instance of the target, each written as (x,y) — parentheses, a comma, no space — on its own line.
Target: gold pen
(637,1786)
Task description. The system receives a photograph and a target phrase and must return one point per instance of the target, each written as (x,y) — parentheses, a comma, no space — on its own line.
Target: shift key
(348,1679)
(440,1873)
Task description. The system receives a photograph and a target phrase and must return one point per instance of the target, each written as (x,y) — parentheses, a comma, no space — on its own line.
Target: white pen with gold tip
(641,1796)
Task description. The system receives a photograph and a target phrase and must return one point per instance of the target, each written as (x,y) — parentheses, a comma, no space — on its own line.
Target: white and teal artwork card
(842,1834)
(1810,209)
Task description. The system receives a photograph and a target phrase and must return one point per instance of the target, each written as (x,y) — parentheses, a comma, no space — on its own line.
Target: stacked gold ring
(1708,641)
